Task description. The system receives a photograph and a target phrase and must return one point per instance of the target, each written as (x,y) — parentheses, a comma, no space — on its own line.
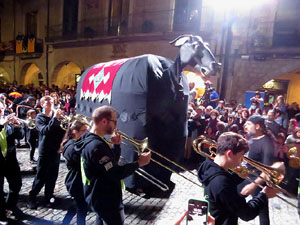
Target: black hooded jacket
(226,204)
(73,179)
(101,173)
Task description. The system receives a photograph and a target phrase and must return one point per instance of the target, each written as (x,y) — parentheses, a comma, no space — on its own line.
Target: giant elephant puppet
(150,94)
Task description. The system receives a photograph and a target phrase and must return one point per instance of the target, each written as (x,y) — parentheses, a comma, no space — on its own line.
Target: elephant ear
(179,41)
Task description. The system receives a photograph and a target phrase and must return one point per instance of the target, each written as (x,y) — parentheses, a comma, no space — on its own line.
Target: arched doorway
(65,74)
(198,81)
(4,76)
(287,84)
(31,74)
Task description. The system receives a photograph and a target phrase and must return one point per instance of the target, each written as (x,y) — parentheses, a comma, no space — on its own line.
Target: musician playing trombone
(226,203)
(101,173)
(50,137)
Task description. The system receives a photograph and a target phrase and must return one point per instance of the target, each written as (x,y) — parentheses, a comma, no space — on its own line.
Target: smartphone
(197,212)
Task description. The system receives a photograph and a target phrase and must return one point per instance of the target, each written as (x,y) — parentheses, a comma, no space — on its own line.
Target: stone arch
(31,74)
(64,74)
(4,76)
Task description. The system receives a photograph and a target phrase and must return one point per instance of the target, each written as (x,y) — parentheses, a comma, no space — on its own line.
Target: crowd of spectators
(20,95)
(283,121)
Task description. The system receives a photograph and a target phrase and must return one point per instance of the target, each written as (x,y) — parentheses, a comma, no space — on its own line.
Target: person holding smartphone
(226,204)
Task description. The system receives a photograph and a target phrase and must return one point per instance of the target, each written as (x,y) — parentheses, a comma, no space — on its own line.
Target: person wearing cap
(261,149)
(257,97)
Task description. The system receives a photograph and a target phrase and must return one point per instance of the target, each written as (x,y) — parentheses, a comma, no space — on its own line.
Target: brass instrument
(65,121)
(270,175)
(17,122)
(30,123)
(294,157)
(141,146)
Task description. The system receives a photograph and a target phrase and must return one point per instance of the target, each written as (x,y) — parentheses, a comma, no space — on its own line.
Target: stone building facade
(75,34)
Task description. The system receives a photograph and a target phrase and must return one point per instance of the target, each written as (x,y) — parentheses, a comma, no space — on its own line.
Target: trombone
(272,176)
(141,146)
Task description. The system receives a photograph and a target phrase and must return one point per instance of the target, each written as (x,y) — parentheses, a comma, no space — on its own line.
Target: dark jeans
(111,217)
(11,171)
(78,207)
(47,173)
(32,140)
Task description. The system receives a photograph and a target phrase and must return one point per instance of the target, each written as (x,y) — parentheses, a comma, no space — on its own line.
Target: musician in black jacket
(101,173)
(9,166)
(226,203)
(50,137)
(73,179)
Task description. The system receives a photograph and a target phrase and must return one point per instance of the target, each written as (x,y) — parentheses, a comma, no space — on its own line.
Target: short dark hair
(102,112)
(232,141)
(215,112)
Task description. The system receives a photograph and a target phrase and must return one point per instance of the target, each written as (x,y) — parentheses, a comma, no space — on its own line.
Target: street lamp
(229,9)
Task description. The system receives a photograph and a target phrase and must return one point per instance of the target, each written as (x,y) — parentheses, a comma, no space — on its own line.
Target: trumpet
(271,176)
(65,121)
(17,122)
(30,123)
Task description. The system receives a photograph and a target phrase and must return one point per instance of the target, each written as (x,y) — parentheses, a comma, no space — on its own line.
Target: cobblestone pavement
(138,210)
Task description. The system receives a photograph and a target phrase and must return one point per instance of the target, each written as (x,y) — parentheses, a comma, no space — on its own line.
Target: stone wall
(249,75)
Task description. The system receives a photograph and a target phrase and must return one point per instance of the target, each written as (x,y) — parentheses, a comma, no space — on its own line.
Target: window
(70,18)
(31,24)
(118,16)
(187,15)
(0,30)
(287,24)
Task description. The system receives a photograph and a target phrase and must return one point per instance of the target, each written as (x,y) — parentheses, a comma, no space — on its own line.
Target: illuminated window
(187,15)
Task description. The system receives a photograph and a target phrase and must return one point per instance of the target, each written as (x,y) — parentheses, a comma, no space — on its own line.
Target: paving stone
(137,210)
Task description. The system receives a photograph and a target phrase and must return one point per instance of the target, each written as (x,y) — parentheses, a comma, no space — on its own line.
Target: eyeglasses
(115,121)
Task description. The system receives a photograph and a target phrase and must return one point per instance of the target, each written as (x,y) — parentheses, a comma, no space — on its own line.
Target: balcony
(160,22)
(29,50)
